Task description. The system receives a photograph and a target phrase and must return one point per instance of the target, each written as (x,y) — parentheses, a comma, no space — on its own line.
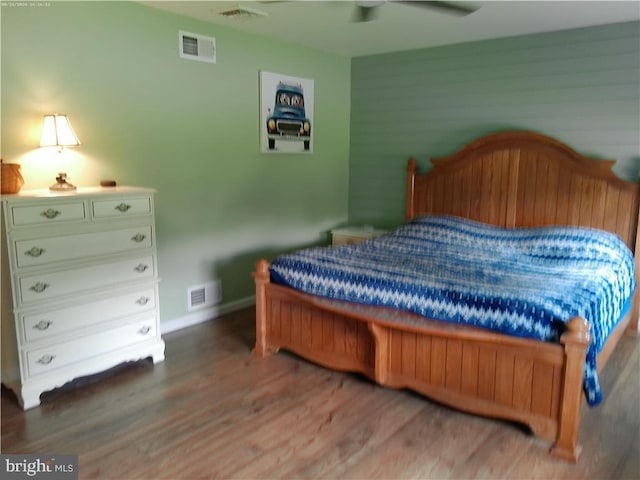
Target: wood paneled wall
(580,86)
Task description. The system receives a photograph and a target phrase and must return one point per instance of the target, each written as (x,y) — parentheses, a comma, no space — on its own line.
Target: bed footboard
(477,371)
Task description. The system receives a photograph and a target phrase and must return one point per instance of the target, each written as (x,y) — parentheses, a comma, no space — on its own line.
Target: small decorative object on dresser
(350,235)
(80,286)
(11,177)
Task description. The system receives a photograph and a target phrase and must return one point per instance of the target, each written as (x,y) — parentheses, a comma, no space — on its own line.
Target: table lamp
(57,132)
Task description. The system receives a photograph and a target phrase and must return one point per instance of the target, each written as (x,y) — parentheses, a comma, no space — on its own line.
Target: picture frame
(286,113)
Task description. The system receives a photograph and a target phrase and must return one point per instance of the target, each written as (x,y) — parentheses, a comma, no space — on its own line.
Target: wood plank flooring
(213,410)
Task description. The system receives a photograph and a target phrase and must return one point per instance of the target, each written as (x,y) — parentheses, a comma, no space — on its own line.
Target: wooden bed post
(412,170)
(381,338)
(575,341)
(261,276)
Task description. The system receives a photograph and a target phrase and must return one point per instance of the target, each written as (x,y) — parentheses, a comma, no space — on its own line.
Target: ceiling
(328,25)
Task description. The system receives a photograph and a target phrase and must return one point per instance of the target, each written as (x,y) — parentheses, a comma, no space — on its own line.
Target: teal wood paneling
(580,86)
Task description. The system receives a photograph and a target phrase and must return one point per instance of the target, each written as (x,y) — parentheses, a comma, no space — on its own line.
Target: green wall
(188,129)
(580,86)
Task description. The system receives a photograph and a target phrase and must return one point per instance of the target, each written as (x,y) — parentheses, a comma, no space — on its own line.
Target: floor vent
(202,296)
(197,47)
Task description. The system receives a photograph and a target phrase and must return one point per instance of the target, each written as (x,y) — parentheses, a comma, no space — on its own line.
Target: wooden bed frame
(510,179)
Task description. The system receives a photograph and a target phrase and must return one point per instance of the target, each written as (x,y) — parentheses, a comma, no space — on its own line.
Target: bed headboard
(525,179)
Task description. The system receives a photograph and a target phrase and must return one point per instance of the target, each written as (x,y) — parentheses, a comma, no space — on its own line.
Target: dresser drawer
(34,288)
(44,359)
(44,325)
(72,247)
(48,213)
(122,207)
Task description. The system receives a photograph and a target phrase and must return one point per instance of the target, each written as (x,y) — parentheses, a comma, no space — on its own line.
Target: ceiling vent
(243,12)
(197,47)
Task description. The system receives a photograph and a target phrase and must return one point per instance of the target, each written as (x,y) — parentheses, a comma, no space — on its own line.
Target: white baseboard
(205,315)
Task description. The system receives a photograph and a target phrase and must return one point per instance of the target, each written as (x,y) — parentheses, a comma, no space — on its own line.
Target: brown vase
(11,178)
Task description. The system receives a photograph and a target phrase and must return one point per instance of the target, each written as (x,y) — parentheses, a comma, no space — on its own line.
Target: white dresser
(79,286)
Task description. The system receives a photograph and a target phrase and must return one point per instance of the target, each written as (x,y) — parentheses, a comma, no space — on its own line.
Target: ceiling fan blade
(454,8)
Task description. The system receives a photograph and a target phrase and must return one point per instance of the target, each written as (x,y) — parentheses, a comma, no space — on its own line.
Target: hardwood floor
(212,410)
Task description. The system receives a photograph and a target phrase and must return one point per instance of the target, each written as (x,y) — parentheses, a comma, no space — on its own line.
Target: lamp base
(62,185)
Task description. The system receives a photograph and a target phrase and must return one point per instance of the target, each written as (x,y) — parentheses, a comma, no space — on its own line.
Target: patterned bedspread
(522,282)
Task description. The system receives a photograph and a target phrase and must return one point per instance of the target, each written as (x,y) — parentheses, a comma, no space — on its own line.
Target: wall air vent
(197,47)
(202,296)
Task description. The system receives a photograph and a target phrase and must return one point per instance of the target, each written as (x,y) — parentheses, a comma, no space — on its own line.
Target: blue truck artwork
(288,121)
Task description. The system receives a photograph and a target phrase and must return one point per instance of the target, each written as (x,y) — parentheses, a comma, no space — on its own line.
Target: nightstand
(350,235)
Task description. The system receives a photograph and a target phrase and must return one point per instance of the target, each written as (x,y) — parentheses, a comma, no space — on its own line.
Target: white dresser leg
(29,397)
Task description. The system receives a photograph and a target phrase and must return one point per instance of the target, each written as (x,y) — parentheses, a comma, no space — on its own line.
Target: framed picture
(286,114)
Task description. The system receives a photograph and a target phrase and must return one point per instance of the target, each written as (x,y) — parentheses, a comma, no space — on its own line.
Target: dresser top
(80,192)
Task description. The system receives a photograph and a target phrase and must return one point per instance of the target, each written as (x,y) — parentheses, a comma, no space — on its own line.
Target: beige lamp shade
(57,132)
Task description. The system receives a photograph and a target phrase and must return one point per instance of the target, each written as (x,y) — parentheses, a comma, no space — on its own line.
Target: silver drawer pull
(43,325)
(138,237)
(144,330)
(51,213)
(45,359)
(140,268)
(123,207)
(143,300)
(39,287)
(35,252)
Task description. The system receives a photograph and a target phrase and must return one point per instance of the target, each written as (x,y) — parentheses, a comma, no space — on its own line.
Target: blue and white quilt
(522,282)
